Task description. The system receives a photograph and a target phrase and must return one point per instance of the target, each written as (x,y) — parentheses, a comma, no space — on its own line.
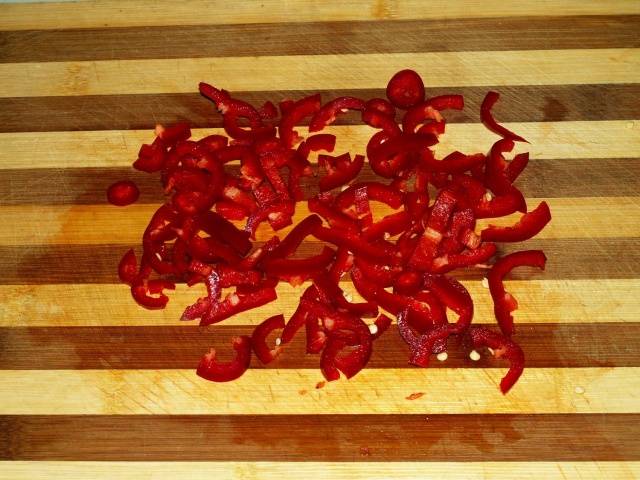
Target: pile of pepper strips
(400,263)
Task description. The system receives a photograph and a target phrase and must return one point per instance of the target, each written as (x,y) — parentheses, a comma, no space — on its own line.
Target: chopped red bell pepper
(343,173)
(151,158)
(299,110)
(503,302)
(335,218)
(128,267)
(376,191)
(382,106)
(210,369)
(123,193)
(331,362)
(454,296)
(502,347)
(305,267)
(378,252)
(329,111)
(405,89)
(527,227)
(430,110)
(389,225)
(452,261)
(259,339)
(487,118)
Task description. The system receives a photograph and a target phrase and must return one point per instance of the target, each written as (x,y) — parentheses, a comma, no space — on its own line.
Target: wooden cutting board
(92,386)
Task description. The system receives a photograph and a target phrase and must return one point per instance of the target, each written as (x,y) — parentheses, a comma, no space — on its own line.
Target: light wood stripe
(273,392)
(101,305)
(569,258)
(119,148)
(521,103)
(364,470)
(584,217)
(112,13)
(298,438)
(439,69)
(345,37)
(590,177)
(546,345)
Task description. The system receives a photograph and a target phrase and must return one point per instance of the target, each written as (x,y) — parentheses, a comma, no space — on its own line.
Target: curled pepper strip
(488,121)
(430,110)
(210,369)
(503,302)
(502,347)
(527,227)
(329,111)
(345,171)
(290,118)
(128,267)
(259,339)
(331,362)
(376,191)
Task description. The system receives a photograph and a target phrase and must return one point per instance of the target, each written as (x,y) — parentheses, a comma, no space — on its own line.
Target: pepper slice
(430,110)
(259,339)
(123,193)
(502,347)
(128,267)
(488,121)
(405,89)
(379,252)
(305,267)
(329,111)
(331,361)
(527,227)
(376,191)
(290,118)
(210,369)
(503,302)
(344,171)
(449,262)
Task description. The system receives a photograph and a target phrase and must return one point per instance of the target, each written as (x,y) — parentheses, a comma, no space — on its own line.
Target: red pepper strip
(254,258)
(268,111)
(330,110)
(330,293)
(299,317)
(363,285)
(231,210)
(408,283)
(429,110)
(405,89)
(455,162)
(214,371)
(315,143)
(173,134)
(416,204)
(343,174)
(236,303)
(391,224)
(295,237)
(383,253)
(376,191)
(421,346)
(341,265)
(452,261)
(377,119)
(335,218)
(278,215)
(265,195)
(300,109)
(231,277)
(213,143)
(240,198)
(488,121)
(151,158)
(331,362)
(259,339)
(469,190)
(529,225)
(501,205)
(250,167)
(391,157)
(502,347)
(218,226)
(517,165)
(503,302)
(383,323)
(382,106)
(128,267)
(211,250)
(380,275)
(496,177)
(461,233)
(140,291)
(299,267)
(362,208)
(454,296)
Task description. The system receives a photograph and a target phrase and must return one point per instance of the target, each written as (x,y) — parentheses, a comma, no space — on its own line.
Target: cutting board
(92,386)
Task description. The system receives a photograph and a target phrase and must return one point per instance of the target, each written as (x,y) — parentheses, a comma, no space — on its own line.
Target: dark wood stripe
(548,437)
(593,177)
(321,38)
(526,103)
(568,259)
(164,347)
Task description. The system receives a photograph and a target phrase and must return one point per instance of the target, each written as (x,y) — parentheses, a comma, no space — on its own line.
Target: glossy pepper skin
(210,369)
(259,339)
(503,302)
(488,121)
(527,227)
(502,347)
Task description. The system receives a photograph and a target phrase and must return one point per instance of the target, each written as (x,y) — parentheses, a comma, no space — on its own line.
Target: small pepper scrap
(398,242)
